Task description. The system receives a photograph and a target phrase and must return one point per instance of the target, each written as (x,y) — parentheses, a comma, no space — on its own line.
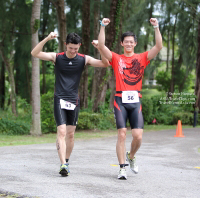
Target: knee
(70,135)
(122,134)
(61,132)
(138,137)
(137,134)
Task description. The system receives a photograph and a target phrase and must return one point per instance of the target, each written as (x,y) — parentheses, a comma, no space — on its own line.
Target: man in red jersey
(129,69)
(69,66)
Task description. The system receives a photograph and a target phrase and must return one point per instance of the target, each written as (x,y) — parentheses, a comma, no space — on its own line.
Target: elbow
(159,47)
(107,63)
(101,46)
(32,53)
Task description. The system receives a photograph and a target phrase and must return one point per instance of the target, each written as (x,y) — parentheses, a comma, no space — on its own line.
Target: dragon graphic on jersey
(133,74)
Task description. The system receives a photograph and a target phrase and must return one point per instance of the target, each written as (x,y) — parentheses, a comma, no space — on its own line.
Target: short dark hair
(128,34)
(73,38)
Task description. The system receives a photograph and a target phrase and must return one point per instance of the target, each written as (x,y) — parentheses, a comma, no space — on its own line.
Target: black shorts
(63,116)
(132,111)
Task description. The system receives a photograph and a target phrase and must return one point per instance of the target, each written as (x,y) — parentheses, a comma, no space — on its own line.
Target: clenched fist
(154,21)
(105,21)
(52,35)
(95,43)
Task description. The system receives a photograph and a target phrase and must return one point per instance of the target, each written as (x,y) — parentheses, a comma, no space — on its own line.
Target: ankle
(123,165)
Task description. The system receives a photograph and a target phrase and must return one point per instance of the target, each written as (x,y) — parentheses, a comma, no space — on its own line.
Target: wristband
(101,23)
(156,26)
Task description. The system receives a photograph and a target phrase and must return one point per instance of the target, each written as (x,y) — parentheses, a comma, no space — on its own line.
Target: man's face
(128,43)
(72,49)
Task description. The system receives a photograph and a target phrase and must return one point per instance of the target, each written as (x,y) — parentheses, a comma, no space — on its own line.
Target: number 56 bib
(130,97)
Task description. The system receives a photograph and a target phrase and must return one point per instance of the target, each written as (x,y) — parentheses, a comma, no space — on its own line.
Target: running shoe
(132,163)
(64,169)
(122,174)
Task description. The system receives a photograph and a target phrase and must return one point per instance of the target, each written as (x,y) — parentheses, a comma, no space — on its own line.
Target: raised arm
(37,51)
(158,46)
(105,52)
(104,60)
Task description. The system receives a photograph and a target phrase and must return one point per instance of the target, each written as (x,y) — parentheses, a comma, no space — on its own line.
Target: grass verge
(14,140)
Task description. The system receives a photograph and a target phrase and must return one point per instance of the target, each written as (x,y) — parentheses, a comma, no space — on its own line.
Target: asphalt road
(168,167)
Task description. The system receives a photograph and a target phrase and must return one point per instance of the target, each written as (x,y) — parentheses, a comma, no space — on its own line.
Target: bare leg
(70,140)
(120,146)
(136,142)
(60,142)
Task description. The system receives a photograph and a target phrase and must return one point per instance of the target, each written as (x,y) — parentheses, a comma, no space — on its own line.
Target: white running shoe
(132,163)
(122,174)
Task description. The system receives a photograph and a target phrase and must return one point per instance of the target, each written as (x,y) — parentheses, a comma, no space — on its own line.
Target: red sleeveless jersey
(129,71)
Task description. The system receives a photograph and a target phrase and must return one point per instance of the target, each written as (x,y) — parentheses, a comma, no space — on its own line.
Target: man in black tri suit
(69,66)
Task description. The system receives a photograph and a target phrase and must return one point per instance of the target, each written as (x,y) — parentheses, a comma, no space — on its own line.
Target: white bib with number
(67,105)
(130,97)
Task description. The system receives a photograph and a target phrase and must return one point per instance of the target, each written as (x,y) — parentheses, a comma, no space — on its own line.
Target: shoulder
(88,59)
(81,55)
(143,57)
(60,54)
(115,54)
(144,54)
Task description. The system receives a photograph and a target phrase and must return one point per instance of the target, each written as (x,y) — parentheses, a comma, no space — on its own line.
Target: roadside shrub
(164,113)
(185,117)
(107,122)
(48,123)
(14,127)
(163,118)
(147,109)
(89,120)
(86,119)
(163,79)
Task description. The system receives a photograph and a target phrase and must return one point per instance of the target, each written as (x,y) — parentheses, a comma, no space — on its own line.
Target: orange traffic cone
(179,132)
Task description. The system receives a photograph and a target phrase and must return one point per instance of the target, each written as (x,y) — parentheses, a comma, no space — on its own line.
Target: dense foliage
(173,68)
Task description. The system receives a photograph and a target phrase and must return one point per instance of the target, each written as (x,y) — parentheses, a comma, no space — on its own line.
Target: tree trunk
(118,49)
(44,26)
(36,122)
(101,89)
(173,50)
(197,87)
(11,80)
(62,29)
(96,9)
(110,37)
(28,81)
(112,85)
(147,34)
(2,86)
(168,48)
(43,77)
(85,49)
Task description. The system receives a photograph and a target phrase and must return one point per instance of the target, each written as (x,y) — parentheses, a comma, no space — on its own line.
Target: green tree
(85,49)
(8,20)
(197,87)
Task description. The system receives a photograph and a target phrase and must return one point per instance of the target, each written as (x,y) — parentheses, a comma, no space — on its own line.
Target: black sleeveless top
(67,76)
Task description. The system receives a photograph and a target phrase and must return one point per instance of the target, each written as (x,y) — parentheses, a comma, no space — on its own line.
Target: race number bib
(130,97)
(67,105)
